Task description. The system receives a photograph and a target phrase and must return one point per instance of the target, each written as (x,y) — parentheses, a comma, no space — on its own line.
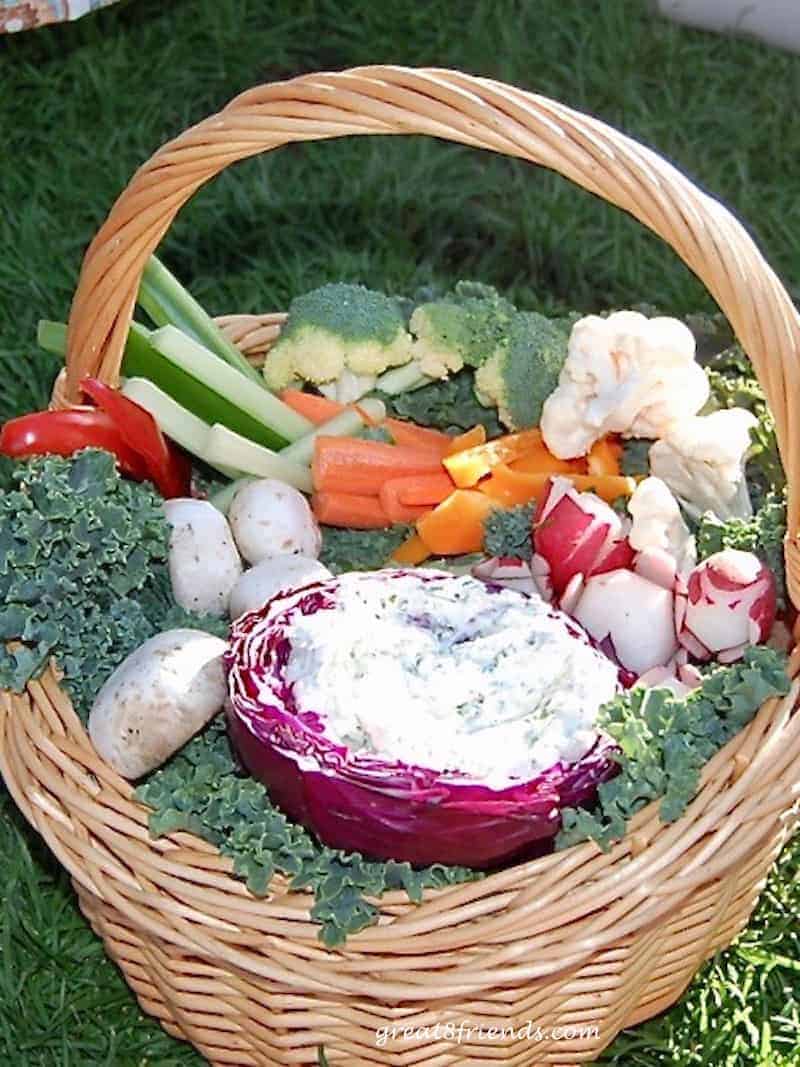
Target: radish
(630,618)
(729,603)
(578,533)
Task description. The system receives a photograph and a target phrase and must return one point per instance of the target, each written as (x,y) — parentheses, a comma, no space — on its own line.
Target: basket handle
(473,111)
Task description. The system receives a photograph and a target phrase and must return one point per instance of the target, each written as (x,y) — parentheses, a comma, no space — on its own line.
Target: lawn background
(82,105)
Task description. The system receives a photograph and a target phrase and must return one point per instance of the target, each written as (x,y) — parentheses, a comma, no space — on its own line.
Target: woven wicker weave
(582,940)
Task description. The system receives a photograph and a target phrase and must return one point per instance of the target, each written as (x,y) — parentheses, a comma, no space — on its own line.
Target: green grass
(81,106)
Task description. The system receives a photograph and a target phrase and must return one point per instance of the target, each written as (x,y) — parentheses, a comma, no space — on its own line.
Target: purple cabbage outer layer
(383,809)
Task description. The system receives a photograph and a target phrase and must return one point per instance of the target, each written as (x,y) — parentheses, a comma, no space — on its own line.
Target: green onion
(167,303)
(347,422)
(223,448)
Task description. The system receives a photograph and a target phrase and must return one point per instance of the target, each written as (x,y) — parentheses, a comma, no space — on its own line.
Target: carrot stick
(318,409)
(509,487)
(412,551)
(468,467)
(350,465)
(349,509)
(456,525)
(470,439)
(604,457)
(315,408)
(408,433)
(418,489)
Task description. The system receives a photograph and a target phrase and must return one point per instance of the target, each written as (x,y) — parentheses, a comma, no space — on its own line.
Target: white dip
(449,675)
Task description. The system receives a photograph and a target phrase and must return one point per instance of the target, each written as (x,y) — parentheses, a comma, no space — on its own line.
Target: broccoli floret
(339,331)
(508,532)
(763,534)
(520,376)
(465,328)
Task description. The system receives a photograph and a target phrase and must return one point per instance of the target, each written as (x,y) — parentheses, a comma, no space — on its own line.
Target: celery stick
(181,425)
(345,423)
(224,498)
(197,360)
(143,360)
(223,447)
(167,303)
(402,379)
(52,337)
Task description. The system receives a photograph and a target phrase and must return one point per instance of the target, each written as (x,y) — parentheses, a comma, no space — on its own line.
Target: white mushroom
(204,564)
(270,576)
(157,699)
(270,518)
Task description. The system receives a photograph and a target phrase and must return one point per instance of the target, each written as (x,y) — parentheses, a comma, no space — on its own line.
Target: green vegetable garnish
(507,532)
(359,550)
(83,574)
(665,740)
(202,790)
(450,404)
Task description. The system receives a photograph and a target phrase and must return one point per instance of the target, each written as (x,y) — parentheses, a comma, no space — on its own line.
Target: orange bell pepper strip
(604,457)
(412,552)
(456,525)
(469,439)
(468,467)
(509,488)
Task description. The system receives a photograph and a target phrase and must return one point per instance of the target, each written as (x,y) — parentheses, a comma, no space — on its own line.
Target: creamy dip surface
(449,674)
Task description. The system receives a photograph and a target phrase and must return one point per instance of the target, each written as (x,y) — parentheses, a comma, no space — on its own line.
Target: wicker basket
(580,940)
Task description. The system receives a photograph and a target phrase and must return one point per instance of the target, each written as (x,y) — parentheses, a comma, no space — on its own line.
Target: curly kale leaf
(203,790)
(83,573)
(508,532)
(359,550)
(450,404)
(665,740)
(734,384)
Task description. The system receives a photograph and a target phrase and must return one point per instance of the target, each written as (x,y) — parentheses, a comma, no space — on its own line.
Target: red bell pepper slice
(61,433)
(168,467)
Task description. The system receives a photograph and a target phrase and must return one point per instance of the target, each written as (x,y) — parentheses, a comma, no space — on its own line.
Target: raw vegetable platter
(399,614)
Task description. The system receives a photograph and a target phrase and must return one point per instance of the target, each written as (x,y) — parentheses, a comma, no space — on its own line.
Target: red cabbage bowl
(381,808)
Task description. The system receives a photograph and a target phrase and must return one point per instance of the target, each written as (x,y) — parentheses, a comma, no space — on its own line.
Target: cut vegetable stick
(604,457)
(350,465)
(402,513)
(349,420)
(408,433)
(470,439)
(509,487)
(223,446)
(456,525)
(316,409)
(350,510)
(468,467)
(319,409)
(418,489)
(201,363)
(412,552)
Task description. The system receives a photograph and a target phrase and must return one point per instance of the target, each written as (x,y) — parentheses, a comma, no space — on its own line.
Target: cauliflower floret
(702,460)
(623,374)
(658,523)
(334,329)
